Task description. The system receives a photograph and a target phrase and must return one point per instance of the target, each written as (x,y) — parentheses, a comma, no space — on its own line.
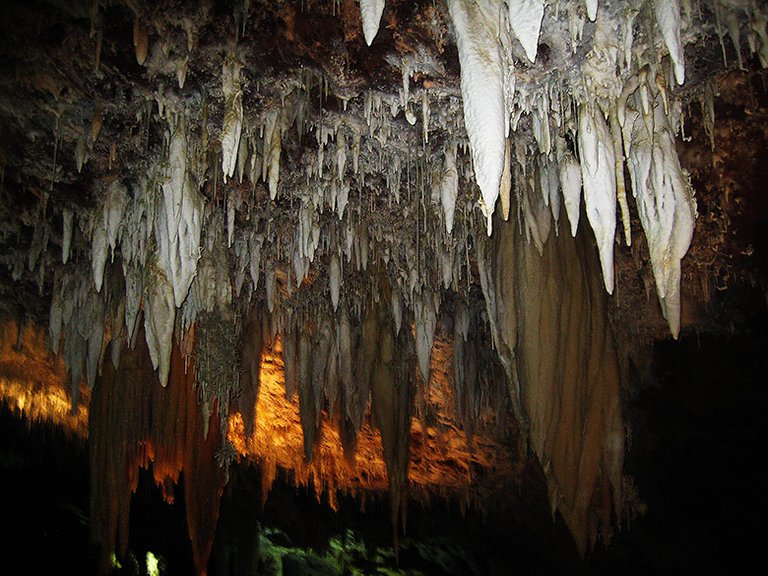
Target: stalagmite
(525,18)
(598,167)
(482,92)
(370,13)
(233,115)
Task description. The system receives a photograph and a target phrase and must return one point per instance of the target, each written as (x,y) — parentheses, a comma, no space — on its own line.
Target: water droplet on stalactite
(668,18)
(370,14)
(233,115)
(525,17)
(482,94)
(599,182)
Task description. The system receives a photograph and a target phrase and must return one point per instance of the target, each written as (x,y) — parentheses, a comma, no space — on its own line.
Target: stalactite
(233,115)
(570,381)
(253,343)
(135,423)
(391,405)
(482,92)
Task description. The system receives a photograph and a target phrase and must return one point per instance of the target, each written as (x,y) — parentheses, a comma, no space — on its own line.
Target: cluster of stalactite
(348,217)
(135,423)
(556,363)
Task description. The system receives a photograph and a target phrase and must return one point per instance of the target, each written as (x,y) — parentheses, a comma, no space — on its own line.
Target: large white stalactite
(482,91)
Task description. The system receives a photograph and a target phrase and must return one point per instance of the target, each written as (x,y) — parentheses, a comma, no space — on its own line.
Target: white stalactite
(233,115)
(525,18)
(598,172)
(665,202)
(449,188)
(114,209)
(334,280)
(591,9)
(98,252)
(370,14)
(178,224)
(668,17)
(482,91)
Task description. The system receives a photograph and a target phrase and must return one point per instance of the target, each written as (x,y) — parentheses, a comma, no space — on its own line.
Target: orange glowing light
(441,461)
(34,383)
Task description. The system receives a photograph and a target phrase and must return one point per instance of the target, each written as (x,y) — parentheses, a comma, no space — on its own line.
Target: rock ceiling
(355,177)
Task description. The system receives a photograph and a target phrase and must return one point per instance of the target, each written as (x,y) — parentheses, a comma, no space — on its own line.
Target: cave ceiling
(173,166)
